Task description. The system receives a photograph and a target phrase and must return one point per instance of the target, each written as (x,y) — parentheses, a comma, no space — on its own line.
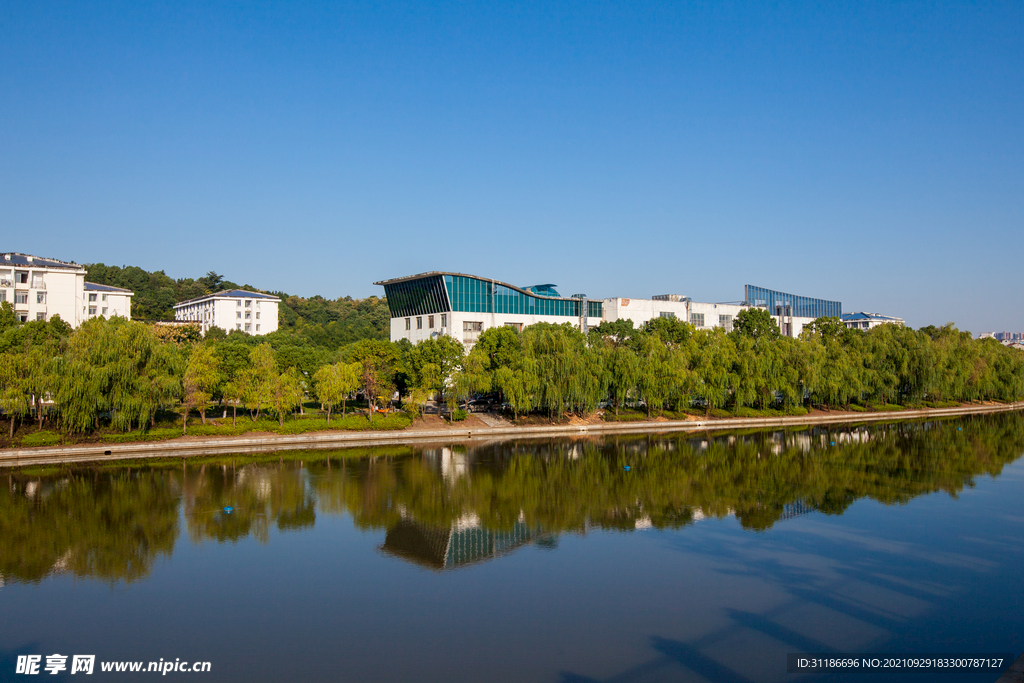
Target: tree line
(121,374)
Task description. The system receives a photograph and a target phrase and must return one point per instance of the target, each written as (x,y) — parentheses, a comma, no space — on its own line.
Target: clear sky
(869,152)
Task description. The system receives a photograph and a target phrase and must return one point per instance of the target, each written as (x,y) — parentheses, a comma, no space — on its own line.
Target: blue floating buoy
(958,429)
(831,443)
(626,468)
(228,509)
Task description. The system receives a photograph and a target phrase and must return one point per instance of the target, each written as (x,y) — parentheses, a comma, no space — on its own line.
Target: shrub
(719,412)
(42,438)
(459,415)
(857,408)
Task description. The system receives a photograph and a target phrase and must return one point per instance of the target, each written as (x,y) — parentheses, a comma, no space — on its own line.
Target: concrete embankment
(265,443)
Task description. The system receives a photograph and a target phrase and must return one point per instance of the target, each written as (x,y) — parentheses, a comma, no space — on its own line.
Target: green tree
(202,375)
(285,393)
(334,383)
(757,323)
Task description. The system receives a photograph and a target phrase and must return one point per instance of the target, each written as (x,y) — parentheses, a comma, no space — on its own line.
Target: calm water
(706,560)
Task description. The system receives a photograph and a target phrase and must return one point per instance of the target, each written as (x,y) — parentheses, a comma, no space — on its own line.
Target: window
(430,321)
(21,277)
(248,327)
(697,319)
(22,317)
(248,303)
(471,331)
(248,315)
(725,321)
(238,303)
(21,297)
(104,310)
(238,314)
(419,323)
(257,327)
(444,320)
(518,327)
(104,297)
(3,295)
(666,314)
(257,315)
(92,297)
(40,297)
(92,310)
(40,316)
(408,323)
(238,326)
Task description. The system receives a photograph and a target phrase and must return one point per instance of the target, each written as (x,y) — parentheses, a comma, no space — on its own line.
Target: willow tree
(202,375)
(14,386)
(255,383)
(333,384)
(285,393)
(714,356)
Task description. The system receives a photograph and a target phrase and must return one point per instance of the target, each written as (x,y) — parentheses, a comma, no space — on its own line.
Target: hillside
(325,322)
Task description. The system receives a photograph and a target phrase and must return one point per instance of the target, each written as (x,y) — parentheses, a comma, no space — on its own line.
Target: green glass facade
(467,294)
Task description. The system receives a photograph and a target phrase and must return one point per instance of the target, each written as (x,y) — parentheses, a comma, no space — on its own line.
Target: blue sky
(866,152)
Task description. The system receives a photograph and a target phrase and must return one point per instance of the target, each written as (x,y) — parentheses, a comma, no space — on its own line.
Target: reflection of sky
(708,602)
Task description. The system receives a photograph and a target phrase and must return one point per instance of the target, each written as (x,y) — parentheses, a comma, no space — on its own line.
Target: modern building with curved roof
(462,306)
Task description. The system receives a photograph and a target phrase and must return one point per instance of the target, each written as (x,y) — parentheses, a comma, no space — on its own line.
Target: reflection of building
(459,545)
(462,306)
(237,309)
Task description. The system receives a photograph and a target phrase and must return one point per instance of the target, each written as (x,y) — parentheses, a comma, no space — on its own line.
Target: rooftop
(17,259)
(229,294)
(93,287)
(861,315)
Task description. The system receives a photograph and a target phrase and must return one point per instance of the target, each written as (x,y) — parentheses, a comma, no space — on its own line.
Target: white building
(104,301)
(41,288)
(250,312)
(463,306)
(867,321)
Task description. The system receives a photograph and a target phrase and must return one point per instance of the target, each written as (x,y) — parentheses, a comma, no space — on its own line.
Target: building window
(430,321)
(471,331)
(248,315)
(21,297)
(725,321)
(238,303)
(248,327)
(40,297)
(419,323)
(238,326)
(104,297)
(3,295)
(666,314)
(238,314)
(21,277)
(104,310)
(40,316)
(23,317)
(92,310)
(248,304)
(257,315)
(92,297)
(408,323)
(444,320)
(257,327)
(697,319)
(518,327)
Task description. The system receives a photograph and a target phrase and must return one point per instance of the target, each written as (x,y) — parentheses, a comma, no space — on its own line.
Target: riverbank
(478,431)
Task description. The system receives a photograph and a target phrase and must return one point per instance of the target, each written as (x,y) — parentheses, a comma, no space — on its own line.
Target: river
(673,557)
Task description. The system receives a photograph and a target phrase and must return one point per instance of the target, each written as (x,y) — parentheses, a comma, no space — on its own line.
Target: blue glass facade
(435,293)
(791,304)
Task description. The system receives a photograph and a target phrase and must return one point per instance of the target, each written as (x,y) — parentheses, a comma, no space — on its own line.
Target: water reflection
(451,507)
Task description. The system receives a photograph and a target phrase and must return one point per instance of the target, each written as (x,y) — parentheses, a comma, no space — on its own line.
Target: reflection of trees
(258,495)
(113,525)
(562,485)
(110,527)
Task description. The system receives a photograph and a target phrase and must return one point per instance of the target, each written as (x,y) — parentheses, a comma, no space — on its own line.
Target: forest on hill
(325,323)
